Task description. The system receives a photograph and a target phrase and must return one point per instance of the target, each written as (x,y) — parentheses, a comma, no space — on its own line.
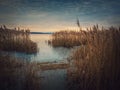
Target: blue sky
(53,15)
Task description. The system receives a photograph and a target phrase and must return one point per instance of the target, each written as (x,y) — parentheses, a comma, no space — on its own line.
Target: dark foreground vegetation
(95,65)
(16,40)
(17,75)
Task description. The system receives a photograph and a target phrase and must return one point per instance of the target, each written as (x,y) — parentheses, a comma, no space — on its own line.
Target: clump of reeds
(16,40)
(96,64)
(67,39)
(18,75)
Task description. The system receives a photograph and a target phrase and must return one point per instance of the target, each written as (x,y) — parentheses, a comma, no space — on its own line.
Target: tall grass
(67,39)
(18,75)
(16,40)
(97,62)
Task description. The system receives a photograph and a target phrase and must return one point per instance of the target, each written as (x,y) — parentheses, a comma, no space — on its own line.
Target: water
(46,52)
(52,79)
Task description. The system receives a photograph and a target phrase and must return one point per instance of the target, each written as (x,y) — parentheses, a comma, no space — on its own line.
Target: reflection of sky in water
(46,52)
(52,79)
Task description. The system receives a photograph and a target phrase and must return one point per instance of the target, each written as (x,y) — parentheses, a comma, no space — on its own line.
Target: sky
(55,15)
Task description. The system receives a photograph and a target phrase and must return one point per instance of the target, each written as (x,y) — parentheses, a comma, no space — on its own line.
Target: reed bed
(16,40)
(96,64)
(67,39)
(18,75)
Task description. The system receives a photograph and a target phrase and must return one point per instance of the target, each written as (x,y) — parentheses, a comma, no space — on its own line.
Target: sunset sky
(53,15)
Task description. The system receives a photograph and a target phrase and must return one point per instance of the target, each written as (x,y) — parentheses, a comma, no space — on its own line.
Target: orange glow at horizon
(39,28)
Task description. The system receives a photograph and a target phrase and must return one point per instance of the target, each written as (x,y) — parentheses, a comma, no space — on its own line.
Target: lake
(46,52)
(52,79)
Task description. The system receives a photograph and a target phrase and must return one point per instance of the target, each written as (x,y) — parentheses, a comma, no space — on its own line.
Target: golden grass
(67,39)
(96,62)
(16,40)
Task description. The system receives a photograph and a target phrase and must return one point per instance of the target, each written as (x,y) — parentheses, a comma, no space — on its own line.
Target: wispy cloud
(58,14)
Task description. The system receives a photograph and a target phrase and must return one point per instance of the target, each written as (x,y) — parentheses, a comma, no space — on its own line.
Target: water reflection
(52,79)
(46,52)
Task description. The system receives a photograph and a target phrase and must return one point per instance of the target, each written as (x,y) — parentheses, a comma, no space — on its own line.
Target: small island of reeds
(16,40)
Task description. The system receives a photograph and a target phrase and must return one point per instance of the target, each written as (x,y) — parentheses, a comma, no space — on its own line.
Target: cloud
(58,14)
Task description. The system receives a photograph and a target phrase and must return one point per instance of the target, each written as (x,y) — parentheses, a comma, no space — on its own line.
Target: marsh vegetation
(16,40)
(15,73)
(18,75)
(95,64)
(67,39)
(92,65)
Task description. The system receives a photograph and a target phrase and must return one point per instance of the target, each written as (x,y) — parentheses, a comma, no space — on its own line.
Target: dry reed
(18,75)
(67,39)
(16,40)
(95,64)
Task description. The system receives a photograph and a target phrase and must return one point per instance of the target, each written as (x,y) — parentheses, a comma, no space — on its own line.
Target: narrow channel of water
(54,80)
(46,52)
